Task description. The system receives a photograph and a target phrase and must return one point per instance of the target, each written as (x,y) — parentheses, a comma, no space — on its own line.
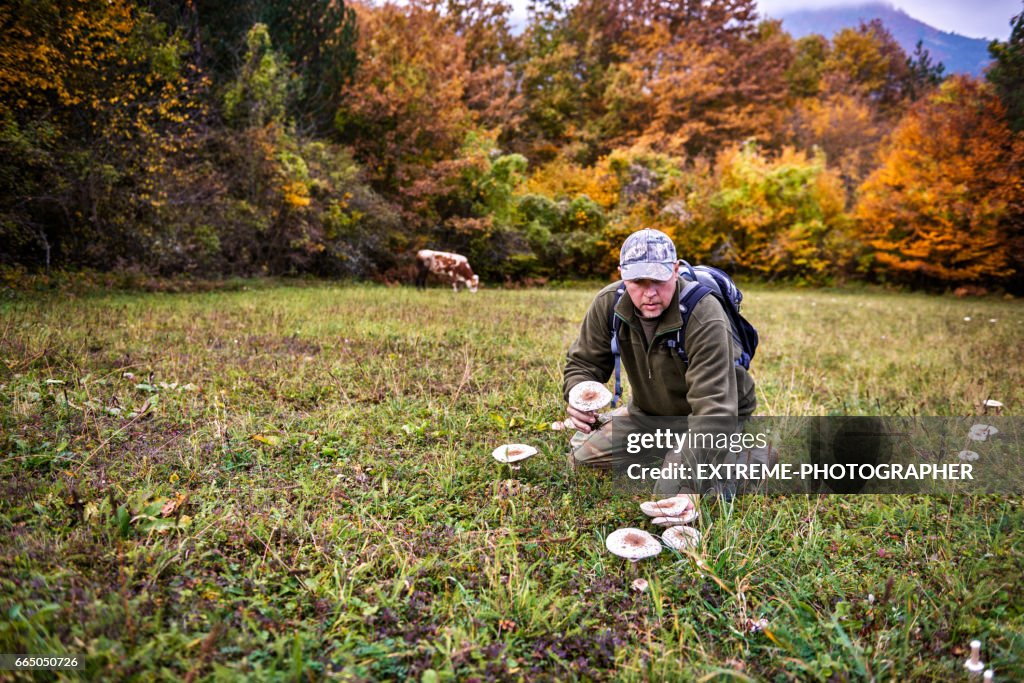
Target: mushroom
(672,521)
(974,663)
(639,585)
(981,432)
(589,396)
(990,676)
(681,537)
(679,507)
(632,544)
(565,424)
(967,456)
(992,403)
(512,453)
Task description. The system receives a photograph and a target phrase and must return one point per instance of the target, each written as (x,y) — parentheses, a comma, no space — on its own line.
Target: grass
(294,483)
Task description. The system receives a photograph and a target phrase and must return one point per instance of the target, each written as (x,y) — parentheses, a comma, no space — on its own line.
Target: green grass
(295,483)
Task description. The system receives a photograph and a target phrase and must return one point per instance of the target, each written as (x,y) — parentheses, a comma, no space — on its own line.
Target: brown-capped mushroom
(589,396)
(980,432)
(681,537)
(680,506)
(632,544)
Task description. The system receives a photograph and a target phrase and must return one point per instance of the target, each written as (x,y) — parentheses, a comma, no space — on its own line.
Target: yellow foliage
(296,194)
(561,178)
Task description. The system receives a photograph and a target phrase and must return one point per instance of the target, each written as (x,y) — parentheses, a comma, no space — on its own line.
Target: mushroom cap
(672,521)
(588,396)
(981,432)
(632,544)
(992,403)
(681,537)
(513,452)
(639,585)
(967,456)
(676,506)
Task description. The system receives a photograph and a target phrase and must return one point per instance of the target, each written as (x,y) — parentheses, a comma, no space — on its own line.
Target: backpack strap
(614,323)
(691,295)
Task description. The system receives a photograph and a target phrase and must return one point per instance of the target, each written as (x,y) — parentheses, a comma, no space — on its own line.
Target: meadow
(293,482)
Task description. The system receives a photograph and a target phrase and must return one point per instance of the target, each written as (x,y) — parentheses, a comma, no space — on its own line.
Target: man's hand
(584,421)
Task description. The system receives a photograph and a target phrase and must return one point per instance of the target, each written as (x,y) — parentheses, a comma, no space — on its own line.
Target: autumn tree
(778,216)
(491,91)
(869,60)
(702,96)
(404,111)
(944,207)
(92,96)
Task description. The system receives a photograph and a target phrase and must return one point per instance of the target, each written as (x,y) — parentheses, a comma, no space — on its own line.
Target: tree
(257,96)
(692,98)
(804,73)
(780,217)
(944,207)
(92,95)
(869,60)
(491,91)
(923,75)
(404,112)
(1006,74)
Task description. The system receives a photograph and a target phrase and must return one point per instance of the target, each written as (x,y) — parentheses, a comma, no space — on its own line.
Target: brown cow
(454,267)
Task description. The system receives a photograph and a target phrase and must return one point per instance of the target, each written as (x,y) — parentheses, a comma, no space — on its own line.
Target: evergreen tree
(1007,72)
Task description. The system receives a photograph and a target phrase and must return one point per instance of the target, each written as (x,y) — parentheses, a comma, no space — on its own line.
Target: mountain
(959,54)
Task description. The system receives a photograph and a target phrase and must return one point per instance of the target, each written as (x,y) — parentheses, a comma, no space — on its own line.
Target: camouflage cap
(647,255)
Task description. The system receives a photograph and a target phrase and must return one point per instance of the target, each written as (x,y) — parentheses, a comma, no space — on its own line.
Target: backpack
(699,281)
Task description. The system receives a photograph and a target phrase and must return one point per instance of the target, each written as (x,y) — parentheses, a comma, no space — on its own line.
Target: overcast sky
(974,18)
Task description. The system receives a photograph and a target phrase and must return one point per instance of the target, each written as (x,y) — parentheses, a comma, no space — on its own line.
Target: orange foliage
(404,111)
(940,208)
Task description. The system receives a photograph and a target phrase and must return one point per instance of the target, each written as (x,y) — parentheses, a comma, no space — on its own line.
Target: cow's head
(473,283)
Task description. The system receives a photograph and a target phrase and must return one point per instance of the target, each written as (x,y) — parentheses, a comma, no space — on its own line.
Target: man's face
(652,297)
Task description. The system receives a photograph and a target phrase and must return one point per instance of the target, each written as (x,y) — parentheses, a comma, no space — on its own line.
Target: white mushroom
(974,663)
(639,585)
(565,424)
(989,676)
(672,521)
(632,544)
(981,432)
(681,537)
(512,453)
(992,403)
(589,396)
(967,456)
(681,506)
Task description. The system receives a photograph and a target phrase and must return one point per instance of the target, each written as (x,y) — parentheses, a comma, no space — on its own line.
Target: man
(710,384)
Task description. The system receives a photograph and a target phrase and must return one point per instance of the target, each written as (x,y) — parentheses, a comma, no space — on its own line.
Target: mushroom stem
(974,665)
